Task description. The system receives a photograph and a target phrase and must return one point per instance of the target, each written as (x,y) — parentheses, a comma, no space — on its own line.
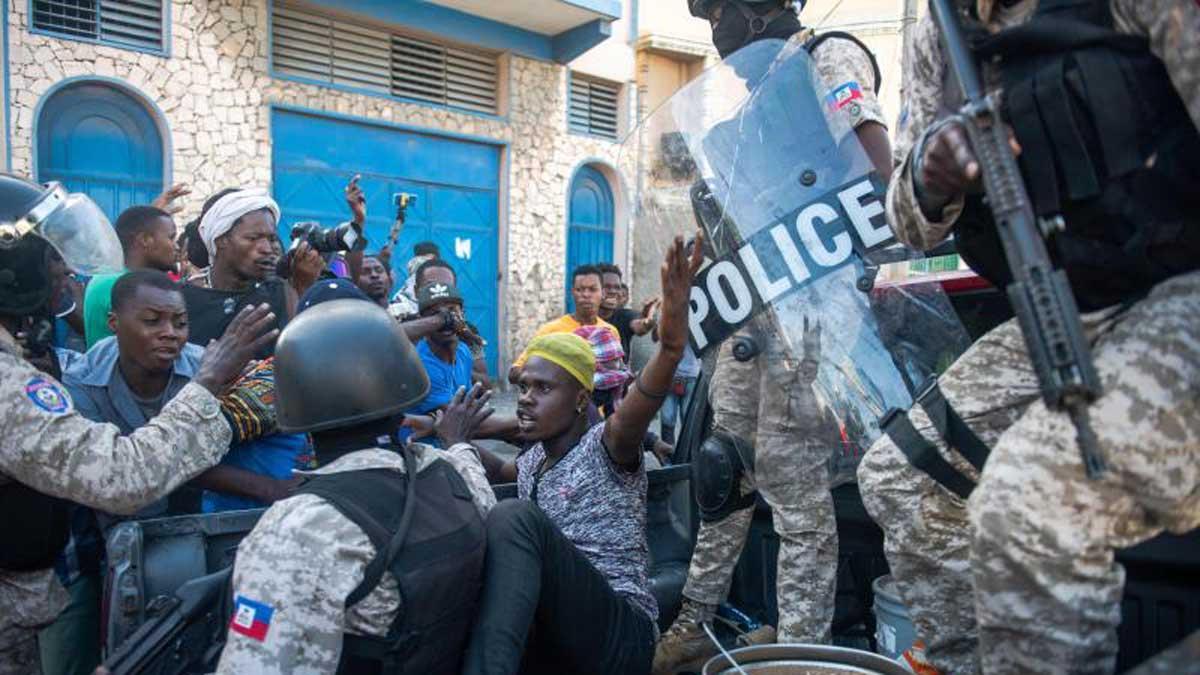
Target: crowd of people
(126,343)
(149,369)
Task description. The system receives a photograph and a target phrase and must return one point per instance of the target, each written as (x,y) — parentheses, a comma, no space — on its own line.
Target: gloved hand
(249,405)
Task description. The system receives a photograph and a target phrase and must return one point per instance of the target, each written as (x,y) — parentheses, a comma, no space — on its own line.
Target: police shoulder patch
(48,395)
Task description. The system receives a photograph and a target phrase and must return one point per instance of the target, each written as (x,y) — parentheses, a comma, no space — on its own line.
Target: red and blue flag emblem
(251,618)
(844,95)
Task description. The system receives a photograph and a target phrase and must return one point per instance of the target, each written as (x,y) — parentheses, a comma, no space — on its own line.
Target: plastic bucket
(803,660)
(894,631)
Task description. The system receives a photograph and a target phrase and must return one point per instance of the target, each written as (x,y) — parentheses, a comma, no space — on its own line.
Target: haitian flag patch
(251,618)
(844,95)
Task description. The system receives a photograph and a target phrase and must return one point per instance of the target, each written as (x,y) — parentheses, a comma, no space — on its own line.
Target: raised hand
(226,357)
(648,307)
(678,270)
(356,201)
(462,416)
(168,200)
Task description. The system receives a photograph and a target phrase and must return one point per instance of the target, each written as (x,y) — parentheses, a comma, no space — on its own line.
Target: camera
(403,200)
(323,239)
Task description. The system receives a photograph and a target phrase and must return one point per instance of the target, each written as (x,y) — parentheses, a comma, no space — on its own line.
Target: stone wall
(215,89)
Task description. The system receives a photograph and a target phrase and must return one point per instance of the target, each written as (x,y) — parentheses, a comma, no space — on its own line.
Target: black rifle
(1040,294)
(186,634)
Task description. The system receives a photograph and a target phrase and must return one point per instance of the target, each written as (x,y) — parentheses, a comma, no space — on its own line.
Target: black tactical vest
(439,568)
(33,526)
(1106,143)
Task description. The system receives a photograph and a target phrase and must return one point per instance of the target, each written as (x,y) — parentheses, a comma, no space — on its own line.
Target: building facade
(504,119)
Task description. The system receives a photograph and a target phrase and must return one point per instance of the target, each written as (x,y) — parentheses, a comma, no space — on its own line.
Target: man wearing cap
(447,359)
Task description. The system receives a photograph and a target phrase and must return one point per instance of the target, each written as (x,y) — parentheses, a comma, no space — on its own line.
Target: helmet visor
(81,232)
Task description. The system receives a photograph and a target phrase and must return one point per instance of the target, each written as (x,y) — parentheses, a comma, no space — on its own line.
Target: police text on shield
(796,250)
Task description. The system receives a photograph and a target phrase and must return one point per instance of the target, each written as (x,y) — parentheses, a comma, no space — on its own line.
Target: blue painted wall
(590,223)
(99,140)
(456,182)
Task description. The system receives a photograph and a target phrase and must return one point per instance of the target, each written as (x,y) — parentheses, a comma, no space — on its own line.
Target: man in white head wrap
(238,228)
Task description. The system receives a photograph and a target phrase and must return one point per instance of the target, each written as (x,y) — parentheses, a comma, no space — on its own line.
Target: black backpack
(433,546)
(1107,143)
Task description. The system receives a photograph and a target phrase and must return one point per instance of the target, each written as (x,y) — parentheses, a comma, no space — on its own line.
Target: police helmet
(700,8)
(34,217)
(344,363)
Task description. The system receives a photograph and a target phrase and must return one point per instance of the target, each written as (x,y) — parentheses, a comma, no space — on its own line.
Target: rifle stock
(1040,294)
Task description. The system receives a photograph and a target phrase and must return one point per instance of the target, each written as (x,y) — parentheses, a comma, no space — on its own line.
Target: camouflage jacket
(296,569)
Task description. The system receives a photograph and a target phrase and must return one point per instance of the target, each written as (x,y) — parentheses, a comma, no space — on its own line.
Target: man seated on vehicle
(587,291)
(318,583)
(124,379)
(566,588)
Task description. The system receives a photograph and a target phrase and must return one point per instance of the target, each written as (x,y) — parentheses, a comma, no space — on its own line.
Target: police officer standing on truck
(48,452)
(756,422)
(1103,100)
(375,564)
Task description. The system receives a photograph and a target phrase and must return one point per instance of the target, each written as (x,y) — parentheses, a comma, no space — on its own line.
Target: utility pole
(908,25)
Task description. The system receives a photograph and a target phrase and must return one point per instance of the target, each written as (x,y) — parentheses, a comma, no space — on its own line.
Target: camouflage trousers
(1021,578)
(761,402)
(28,601)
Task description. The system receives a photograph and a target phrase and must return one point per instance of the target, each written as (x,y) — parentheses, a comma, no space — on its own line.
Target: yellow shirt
(564,324)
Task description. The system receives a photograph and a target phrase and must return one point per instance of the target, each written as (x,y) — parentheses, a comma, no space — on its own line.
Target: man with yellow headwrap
(1104,102)
(566,584)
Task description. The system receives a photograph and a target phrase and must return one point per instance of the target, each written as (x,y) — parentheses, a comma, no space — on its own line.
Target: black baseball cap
(433,294)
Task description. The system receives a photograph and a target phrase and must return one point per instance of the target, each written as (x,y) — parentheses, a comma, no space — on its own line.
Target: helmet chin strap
(758,22)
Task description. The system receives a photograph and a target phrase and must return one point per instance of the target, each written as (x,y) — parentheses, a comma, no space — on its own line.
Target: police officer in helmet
(761,444)
(48,451)
(318,582)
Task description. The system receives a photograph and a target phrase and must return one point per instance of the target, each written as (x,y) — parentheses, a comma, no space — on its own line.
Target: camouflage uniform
(1030,556)
(46,444)
(304,558)
(766,403)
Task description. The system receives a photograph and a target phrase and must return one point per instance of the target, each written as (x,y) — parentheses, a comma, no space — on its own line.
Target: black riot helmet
(746,21)
(34,218)
(344,363)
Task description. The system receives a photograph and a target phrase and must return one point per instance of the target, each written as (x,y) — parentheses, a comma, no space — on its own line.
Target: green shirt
(97,303)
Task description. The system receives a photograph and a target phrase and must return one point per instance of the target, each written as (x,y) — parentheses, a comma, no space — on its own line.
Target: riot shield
(752,153)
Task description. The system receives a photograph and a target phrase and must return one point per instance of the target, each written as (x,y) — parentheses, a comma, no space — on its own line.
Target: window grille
(126,23)
(313,46)
(592,107)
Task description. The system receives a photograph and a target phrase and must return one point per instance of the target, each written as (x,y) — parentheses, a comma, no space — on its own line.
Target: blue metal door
(590,223)
(99,140)
(456,183)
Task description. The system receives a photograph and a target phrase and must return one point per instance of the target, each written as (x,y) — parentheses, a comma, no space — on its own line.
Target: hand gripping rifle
(1039,293)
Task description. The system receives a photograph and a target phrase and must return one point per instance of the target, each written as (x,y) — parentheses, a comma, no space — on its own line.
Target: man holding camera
(239,230)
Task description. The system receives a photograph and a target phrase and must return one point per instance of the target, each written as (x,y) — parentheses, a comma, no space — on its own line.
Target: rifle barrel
(961,59)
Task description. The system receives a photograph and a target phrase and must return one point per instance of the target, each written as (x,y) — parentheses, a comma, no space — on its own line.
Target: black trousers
(546,609)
